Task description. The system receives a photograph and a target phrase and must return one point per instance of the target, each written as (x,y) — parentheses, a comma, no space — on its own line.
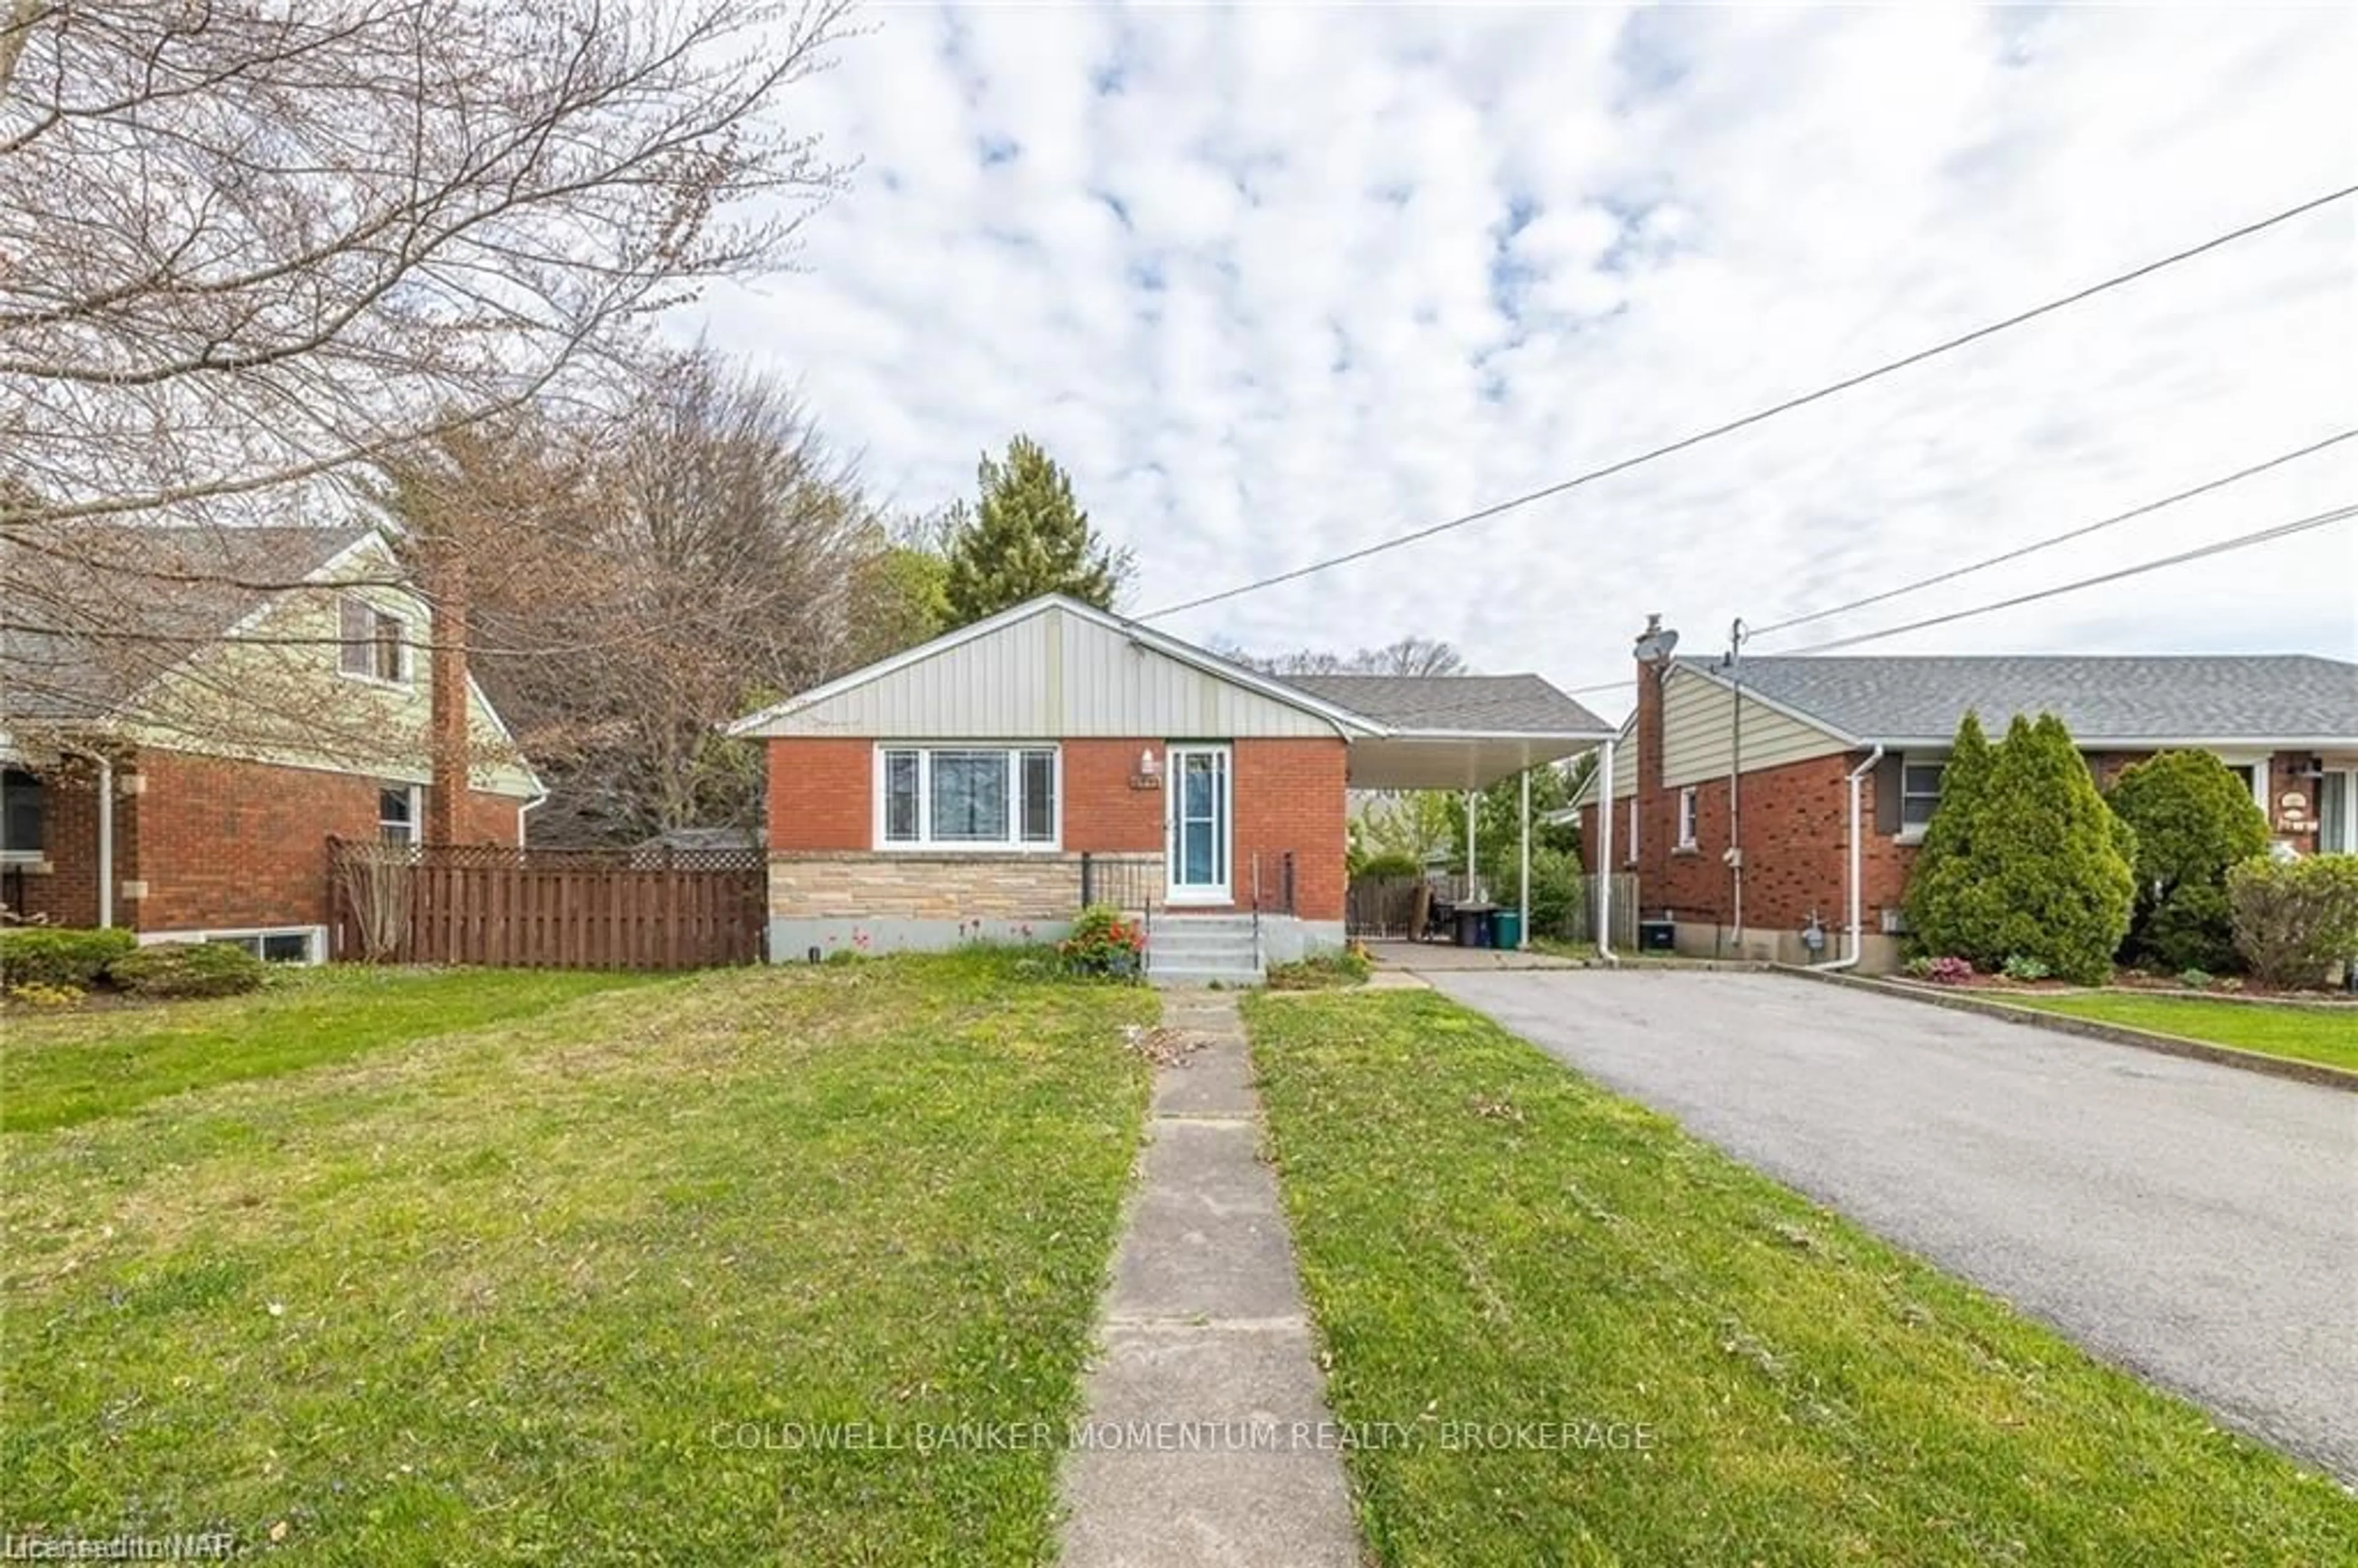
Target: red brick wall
(819,794)
(66,894)
(1288,792)
(1290,798)
(1795,823)
(224,844)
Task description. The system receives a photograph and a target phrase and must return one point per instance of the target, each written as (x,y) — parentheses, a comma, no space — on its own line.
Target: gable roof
(1169,646)
(1505,705)
(52,667)
(2115,699)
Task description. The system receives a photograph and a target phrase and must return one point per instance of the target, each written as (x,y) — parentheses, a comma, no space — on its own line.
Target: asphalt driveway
(2194,1222)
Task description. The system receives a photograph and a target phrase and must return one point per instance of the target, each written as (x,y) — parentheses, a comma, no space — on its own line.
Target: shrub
(58,955)
(187,969)
(2022,966)
(1103,944)
(1556,890)
(1388,863)
(39,993)
(2193,820)
(2294,919)
(1320,971)
(2033,865)
(2195,979)
(1945,971)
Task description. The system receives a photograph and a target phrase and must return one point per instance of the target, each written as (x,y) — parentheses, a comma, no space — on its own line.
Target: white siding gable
(1046,675)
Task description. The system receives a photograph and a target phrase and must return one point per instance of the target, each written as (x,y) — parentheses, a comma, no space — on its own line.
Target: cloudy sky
(1279,283)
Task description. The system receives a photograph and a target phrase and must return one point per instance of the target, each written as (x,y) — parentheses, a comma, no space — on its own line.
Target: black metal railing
(1127,883)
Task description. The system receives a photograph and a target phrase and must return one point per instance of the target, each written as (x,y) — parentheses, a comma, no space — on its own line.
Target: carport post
(1523,930)
(1472,892)
(1603,787)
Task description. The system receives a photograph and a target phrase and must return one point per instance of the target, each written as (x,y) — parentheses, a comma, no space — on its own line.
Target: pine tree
(2044,871)
(1027,536)
(1944,902)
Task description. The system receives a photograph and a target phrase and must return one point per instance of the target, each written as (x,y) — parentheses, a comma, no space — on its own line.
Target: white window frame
(2347,831)
(1013,752)
(401,650)
(315,939)
(1690,817)
(39,853)
(1913,832)
(416,824)
(1630,857)
(2261,785)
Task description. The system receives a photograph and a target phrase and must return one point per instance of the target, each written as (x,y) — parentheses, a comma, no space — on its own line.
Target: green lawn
(2329,1035)
(1487,1239)
(58,1069)
(571,1286)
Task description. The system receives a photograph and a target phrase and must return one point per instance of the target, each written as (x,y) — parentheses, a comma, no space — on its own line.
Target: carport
(1466,733)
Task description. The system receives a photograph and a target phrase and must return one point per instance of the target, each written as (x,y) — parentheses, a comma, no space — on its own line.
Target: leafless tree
(698,557)
(1408,657)
(252,253)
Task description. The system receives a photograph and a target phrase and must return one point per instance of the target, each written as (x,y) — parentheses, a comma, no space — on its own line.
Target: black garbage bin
(1657,937)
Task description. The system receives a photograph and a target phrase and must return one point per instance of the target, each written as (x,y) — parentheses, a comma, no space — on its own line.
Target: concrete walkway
(1202,1441)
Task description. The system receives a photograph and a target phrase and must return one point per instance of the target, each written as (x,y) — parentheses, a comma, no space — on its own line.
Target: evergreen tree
(2193,819)
(1943,899)
(2043,871)
(1027,536)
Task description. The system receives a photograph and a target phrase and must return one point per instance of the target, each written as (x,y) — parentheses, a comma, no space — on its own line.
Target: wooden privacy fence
(581,909)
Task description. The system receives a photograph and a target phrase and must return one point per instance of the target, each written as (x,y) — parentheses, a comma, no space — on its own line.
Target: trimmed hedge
(188,969)
(60,955)
(2029,863)
(2295,919)
(2194,818)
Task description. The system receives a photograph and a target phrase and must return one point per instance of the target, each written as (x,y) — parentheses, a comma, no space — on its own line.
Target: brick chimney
(1652,651)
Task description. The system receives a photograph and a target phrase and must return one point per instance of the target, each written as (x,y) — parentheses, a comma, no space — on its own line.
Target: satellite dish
(1654,647)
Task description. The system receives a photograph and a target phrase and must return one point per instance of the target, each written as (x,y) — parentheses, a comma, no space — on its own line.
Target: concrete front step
(1169,975)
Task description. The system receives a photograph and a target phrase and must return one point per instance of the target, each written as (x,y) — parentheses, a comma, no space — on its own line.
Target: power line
(2053,539)
(1890,367)
(2239,542)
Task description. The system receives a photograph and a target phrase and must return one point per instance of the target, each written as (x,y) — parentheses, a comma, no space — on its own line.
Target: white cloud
(1278,283)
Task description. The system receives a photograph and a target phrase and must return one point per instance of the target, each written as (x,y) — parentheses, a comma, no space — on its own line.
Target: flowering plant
(1103,942)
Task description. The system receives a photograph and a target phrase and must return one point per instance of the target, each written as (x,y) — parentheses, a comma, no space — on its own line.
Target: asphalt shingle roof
(2234,697)
(118,579)
(1490,705)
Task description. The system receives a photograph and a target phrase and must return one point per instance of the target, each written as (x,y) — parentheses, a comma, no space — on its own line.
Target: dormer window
(375,643)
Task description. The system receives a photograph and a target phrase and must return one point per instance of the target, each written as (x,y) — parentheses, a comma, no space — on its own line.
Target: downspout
(1850,958)
(1523,926)
(1605,805)
(106,843)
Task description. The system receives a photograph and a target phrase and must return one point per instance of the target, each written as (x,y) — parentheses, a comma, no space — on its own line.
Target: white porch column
(1523,931)
(1604,873)
(1472,890)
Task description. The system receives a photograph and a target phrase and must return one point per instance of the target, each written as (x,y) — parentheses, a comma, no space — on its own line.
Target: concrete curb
(2089,1028)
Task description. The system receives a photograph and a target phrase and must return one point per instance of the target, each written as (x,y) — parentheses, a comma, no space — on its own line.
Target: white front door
(1196,825)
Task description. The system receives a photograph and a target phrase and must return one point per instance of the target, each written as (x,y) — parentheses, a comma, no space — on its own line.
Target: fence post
(1089,879)
(1286,875)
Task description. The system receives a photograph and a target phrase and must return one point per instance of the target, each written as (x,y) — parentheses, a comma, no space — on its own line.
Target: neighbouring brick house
(1781,736)
(183,729)
(970,787)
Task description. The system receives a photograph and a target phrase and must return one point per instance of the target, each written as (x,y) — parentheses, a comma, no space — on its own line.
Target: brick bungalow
(1772,744)
(988,782)
(254,691)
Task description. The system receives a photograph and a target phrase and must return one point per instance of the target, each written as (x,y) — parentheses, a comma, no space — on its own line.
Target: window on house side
(1629,856)
(1920,793)
(372,643)
(396,814)
(22,833)
(1687,817)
